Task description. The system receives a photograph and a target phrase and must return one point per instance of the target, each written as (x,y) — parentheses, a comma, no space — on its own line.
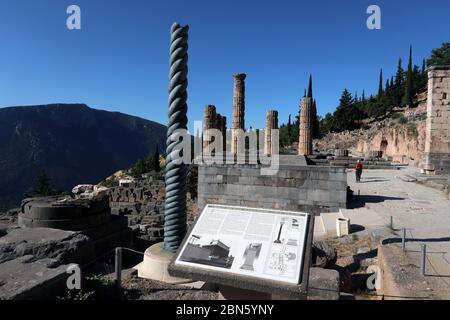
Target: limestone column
(210,123)
(238,121)
(271,123)
(306,128)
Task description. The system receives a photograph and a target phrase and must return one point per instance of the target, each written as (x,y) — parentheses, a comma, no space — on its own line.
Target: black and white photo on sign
(209,251)
(251,254)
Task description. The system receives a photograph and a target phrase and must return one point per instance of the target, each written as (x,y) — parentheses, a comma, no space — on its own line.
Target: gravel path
(423,211)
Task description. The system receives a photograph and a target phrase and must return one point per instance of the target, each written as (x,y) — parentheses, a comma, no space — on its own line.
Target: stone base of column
(437,163)
(155,265)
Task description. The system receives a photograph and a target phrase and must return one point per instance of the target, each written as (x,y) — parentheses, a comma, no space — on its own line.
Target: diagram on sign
(284,252)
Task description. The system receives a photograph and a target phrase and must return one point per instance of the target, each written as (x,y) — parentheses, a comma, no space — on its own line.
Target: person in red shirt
(358,170)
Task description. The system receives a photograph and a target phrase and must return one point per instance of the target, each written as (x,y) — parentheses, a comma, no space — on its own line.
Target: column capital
(239,76)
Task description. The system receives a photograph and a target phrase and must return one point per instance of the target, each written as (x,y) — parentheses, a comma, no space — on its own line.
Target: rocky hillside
(401,137)
(73,143)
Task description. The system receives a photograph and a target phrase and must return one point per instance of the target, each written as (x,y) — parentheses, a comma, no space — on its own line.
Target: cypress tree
(424,75)
(380,85)
(399,82)
(407,97)
(316,129)
(289,129)
(310,91)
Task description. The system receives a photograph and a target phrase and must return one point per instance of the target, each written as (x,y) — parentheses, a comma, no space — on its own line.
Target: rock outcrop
(401,138)
(34,262)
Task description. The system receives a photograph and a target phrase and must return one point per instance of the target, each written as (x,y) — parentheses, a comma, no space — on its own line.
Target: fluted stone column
(271,123)
(306,128)
(210,123)
(238,121)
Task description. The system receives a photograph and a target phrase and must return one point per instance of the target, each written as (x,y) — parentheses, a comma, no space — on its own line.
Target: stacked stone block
(143,203)
(437,143)
(310,189)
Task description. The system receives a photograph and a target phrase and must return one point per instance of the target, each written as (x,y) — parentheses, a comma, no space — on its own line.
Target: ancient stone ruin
(238,121)
(294,186)
(437,144)
(271,123)
(90,216)
(142,202)
(52,234)
(213,120)
(306,128)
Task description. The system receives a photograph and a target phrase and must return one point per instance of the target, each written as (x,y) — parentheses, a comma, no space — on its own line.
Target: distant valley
(72,143)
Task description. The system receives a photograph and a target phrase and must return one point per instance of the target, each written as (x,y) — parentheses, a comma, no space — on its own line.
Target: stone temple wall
(311,189)
(143,203)
(437,143)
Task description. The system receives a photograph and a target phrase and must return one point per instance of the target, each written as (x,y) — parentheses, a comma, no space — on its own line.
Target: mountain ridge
(72,143)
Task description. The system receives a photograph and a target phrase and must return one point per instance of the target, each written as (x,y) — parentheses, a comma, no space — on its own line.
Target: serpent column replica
(175,205)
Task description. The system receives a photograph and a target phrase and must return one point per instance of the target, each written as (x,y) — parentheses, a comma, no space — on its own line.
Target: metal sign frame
(246,282)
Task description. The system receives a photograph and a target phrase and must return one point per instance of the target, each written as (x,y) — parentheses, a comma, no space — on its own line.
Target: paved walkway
(424,211)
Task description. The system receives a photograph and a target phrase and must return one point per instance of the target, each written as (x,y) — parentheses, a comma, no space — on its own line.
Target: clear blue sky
(119,60)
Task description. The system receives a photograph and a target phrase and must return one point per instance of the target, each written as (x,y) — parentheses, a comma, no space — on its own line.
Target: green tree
(423,76)
(155,160)
(315,121)
(326,124)
(398,89)
(440,56)
(346,116)
(407,99)
(43,186)
(283,136)
(380,85)
(139,168)
(289,129)
(310,91)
